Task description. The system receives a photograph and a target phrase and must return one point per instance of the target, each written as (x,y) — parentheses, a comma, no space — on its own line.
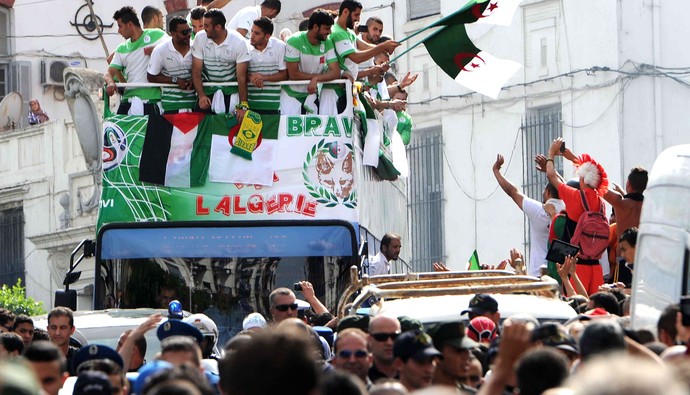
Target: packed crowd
(320,354)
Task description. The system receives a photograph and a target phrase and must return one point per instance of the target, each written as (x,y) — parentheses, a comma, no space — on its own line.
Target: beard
(350,23)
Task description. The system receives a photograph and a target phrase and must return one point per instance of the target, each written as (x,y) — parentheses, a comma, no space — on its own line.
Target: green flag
(454,52)
(474,261)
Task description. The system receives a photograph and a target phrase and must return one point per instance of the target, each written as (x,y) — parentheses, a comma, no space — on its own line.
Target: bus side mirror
(66,298)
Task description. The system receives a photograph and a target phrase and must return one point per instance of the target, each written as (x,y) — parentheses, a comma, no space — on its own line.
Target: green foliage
(14,299)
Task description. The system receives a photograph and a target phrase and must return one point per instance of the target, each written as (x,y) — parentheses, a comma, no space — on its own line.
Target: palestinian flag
(454,52)
(474,262)
(176,149)
(230,168)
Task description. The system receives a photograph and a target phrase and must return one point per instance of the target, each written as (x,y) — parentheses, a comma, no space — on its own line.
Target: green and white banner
(160,169)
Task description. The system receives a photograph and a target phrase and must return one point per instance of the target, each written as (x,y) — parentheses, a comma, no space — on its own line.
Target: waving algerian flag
(454,52)
(495,12)
(473,262)
(499,12)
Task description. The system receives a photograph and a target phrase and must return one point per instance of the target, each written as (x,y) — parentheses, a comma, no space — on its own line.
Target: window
(539,128)
(420,8)
(3,80)
(19,80)
(4,31)
(12,242)
(425,198)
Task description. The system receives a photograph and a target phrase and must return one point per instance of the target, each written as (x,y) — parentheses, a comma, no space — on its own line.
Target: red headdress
(593,174)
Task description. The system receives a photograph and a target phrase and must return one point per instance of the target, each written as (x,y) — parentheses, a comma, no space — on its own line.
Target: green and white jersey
(269,61)
(166,60)
(220,61)
(130,59)
(344,43)
(312,59)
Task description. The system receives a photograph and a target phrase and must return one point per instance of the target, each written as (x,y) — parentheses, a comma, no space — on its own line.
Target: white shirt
(244,19)
(539,222)
(221,60)
(378,264)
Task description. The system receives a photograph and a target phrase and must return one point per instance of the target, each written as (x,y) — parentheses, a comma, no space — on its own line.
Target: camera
(562,147)
(362,29)
(296,287)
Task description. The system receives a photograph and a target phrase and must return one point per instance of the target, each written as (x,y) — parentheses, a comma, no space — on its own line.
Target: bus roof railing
(411,285)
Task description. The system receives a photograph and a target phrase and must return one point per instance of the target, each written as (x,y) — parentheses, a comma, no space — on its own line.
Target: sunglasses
(185,32)
(382,337)
(346,354)
(285,307)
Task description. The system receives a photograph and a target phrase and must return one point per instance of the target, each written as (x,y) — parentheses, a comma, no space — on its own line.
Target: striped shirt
(166,60)
(269,61)
(313,59)
(129,57)
(220,61)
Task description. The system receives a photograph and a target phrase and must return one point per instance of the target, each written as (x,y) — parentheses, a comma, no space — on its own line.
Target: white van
(663,242)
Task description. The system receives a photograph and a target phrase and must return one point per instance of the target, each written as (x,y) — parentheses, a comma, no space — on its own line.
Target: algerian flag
(474,262)
(495,12)
(454,52)
(371,128)
(173,153)
(229,168)
(499,12)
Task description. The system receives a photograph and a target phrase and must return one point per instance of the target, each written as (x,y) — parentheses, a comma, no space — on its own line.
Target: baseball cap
(416,345)
(410,324)
(179,328)
(148,370)
(452,333)
(481,304)
(482,329)
(96,351)
(92,383)
(253,320)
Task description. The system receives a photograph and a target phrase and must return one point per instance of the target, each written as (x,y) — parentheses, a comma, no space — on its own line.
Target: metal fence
(425,199)
(539,128)
(12,246)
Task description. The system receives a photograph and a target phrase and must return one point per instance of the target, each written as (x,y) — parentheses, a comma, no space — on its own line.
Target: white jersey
(166,60)
(269,61)
(220,61)
(244,19)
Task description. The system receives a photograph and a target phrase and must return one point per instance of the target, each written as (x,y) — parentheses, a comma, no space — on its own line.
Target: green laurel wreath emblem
(319,192)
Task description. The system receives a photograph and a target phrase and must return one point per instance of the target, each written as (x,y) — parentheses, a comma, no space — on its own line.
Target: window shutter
(421,8)
(20,82)
(4,32)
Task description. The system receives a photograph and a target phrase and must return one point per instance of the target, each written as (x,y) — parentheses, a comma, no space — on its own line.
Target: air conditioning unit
(52,70)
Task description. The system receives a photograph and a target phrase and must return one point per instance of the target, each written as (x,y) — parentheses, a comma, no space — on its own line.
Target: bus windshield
(225,271)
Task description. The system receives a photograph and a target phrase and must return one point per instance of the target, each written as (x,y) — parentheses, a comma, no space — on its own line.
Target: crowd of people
(594,353)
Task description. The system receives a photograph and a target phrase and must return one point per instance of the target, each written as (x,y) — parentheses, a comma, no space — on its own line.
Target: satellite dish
(11,111)
(80,84)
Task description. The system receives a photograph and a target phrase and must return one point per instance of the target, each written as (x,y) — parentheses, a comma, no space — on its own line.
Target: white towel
(218,102)
(136,106)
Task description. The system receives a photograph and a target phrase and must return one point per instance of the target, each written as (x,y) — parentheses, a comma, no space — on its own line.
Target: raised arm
(310,296)
(508,187)
(552,175)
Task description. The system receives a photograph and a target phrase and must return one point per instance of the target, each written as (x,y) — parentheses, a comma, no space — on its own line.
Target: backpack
(592,232)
